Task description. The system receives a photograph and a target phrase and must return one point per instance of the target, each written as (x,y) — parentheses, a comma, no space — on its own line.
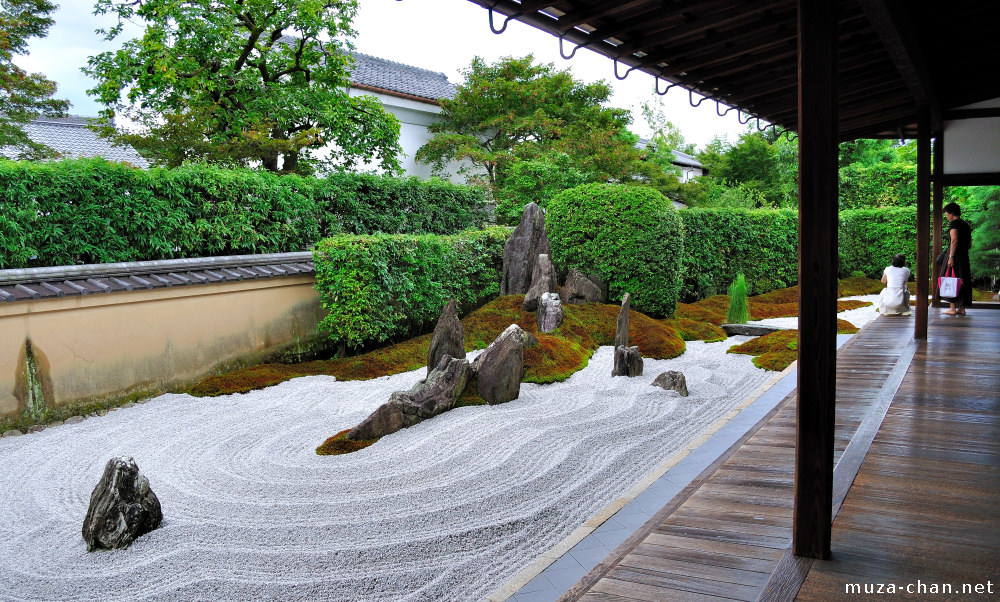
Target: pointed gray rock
(122,507)
(431,396)
(580,289)
(621,332)
(628,362)
(448,337)
(500,368)
(550,312)
(672,380)
(526,243)
(543,280)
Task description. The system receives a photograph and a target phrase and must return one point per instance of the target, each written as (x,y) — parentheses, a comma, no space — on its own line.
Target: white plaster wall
(973,145)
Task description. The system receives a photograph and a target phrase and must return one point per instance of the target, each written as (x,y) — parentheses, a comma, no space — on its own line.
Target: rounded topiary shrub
(628,235)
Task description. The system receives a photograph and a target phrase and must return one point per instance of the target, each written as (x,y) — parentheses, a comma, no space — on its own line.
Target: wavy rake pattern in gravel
(448,509)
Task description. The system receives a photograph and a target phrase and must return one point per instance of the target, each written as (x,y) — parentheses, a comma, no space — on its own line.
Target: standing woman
(958,258)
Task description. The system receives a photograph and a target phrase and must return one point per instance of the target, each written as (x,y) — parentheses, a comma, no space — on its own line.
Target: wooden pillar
(938,198)
(817,367)
(923,218)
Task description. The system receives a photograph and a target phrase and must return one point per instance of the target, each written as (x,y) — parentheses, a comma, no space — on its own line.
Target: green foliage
(869,238)
(94,211)
(985,253)
(878,185)
(738,313)
(719,244)
(516,110)
(224,81)
(757,172)
(380,286)
(25,95)
(629,235)
(537,180)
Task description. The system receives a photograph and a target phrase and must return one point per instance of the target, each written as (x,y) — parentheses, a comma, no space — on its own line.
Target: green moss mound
(340,444)
(693,330)
(777,350)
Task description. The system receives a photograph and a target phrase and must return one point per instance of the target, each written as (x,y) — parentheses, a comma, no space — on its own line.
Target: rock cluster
(523,247)
(628,360)
(672,381)
(448,337)
(122,507)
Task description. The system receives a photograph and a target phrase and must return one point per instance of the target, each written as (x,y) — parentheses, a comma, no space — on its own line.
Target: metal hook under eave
(656,86)
(575,48)
(505,22)
(726,112)
(788,134)
(691,99)
(622,77)
(740,119)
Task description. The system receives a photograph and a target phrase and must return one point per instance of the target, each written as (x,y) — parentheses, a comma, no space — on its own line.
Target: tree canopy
(516,110)
(240,82)
(24,95)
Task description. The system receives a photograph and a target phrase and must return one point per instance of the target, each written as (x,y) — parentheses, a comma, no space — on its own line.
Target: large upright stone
(526,243)
(621,332)
(543,280)
(580,289)
(122,507)
(628,362)
(431,396)
(550,313)
(500,368)
(448,337)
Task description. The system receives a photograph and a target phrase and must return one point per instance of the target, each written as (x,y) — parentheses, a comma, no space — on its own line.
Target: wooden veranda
(916,485)
(829,71)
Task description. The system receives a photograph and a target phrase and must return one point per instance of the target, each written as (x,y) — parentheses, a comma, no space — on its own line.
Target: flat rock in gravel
(122,507)
(12,433)
(500,367)
(672,380)
(752,330)
(448,337)
(431,396)
(74,419)
(526,243)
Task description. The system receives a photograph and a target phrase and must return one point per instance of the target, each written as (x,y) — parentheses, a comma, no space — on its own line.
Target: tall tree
(24,96)
(516,110)
(240,82)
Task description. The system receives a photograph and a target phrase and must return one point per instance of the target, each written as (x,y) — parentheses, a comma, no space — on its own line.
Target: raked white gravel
(449,509)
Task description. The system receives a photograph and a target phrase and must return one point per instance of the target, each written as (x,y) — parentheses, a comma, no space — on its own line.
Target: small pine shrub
(738,313)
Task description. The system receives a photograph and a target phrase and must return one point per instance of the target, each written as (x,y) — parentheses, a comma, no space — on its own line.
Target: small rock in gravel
(56,423)
(36,428)
(142,400)
(12,433)
(74,419)
(129,405)
(102,412)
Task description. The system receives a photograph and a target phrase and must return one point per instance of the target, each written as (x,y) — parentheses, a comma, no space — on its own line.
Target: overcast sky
(440,35)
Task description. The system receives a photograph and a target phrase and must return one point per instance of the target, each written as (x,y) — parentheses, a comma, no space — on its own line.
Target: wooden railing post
(923,218)
(818,263)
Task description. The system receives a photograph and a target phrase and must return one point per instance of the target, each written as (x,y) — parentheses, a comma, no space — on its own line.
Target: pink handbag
(949,285)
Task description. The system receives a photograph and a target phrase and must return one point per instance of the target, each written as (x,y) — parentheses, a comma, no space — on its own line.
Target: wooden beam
(817,377)
(971,179)
(923,217)
(972,113)
(938,197)
(901,43)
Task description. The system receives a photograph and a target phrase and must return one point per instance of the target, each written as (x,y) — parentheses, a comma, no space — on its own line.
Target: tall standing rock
(621,333)
(448,337)
(628,362)
(500,368)
(543,280)
(526,243)
(122,507)
(431,396)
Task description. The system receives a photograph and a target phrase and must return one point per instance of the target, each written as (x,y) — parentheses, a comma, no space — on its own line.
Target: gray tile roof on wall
(397,77)
(72,139)
(62,281)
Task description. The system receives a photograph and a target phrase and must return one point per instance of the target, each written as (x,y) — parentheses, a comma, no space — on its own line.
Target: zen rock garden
(499,370)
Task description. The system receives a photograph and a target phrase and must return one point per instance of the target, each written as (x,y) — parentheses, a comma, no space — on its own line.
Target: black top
(964,239)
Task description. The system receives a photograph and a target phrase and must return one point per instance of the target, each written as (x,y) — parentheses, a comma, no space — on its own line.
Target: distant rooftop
(72,139)
(388,75)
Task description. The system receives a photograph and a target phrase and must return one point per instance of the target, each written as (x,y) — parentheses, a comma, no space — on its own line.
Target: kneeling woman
(895,298)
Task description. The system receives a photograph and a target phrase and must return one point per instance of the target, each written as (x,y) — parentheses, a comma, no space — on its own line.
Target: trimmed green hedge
(629,235)
(94,211)
(869,238)
(379,286)
(878,185)
(720,244)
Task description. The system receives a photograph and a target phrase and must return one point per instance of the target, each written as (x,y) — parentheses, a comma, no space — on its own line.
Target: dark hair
(899,261)
(953,209)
